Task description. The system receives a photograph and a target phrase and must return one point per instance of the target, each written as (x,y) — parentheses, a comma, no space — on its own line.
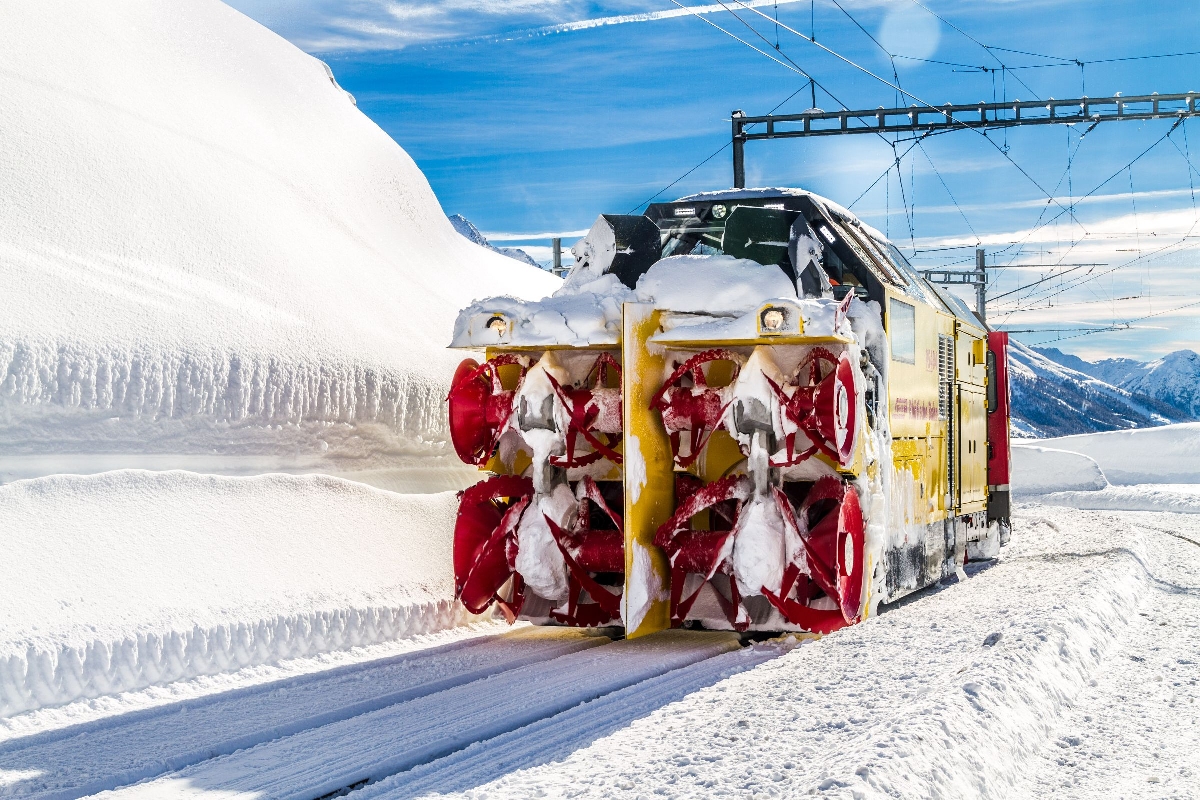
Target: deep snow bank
(1153,469)
(1164,454)
(205,245)
(118,581)
(1182,498)
(1039,470)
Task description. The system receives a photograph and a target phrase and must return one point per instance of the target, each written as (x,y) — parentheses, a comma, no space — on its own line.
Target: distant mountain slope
(465,227)
(1051,399)
(1173,379)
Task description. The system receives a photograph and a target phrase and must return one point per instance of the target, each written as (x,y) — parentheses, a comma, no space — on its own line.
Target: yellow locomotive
(742,410)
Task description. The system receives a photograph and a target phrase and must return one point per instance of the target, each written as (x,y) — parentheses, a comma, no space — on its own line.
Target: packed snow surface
(1064,669)
(205,245)
(1182,498)
(118,581)
(931,699)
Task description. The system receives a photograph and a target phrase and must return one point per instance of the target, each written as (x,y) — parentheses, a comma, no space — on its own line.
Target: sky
(530,117)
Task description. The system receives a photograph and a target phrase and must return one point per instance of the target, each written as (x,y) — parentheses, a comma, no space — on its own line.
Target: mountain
(1173,379)
(1050,397)
(465,227)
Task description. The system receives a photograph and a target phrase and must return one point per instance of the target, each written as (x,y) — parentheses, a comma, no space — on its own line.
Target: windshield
(690,238)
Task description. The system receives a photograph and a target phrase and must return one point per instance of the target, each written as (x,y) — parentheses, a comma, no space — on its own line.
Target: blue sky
(530,117)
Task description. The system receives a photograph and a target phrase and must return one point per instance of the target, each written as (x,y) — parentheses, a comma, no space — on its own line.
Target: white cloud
(361,25)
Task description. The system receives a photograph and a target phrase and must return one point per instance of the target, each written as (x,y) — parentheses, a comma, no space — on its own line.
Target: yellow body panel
(649,471)
(972,449)
(799,338)
(922,438)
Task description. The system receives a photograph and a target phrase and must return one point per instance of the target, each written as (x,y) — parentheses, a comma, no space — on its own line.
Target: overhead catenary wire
(906,93)
(792,65)
(987,48)
(1098,187)
(1067,209)
(1109,328)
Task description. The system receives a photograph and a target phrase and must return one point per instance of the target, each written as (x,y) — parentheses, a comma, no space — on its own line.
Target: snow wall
(1040,470)
(1146,469)
(118,581)
(211,259)
(206,247)
(1163,454)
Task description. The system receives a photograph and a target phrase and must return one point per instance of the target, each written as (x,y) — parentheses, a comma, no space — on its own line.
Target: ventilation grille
(945,375)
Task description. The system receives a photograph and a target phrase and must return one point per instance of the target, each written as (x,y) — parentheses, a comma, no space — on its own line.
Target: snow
(127,579)
(539,561)
(380,743)
(645,587)
(586,310)
(635,467)
(932,698)
(1039,470)
(581,315)
(816,317)
(759,546)
(1181,498)
(183,728)
(1163,454)
(210,257)
(1149,469)
(1065,668)
(205,245)
(716,285)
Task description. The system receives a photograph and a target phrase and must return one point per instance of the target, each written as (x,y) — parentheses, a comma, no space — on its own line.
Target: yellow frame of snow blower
(648,474)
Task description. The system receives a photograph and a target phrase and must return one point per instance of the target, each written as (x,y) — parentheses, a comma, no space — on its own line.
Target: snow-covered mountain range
(1058,394)
(1174,379)
(467,228)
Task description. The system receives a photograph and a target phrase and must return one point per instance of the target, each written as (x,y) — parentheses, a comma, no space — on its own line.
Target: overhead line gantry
(929,119)
(925,120)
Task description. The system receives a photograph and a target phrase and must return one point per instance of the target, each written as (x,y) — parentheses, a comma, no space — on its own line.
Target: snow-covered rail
(378,744)
(108,753)
(308,736)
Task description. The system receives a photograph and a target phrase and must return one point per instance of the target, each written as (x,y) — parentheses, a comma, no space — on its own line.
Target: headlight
(772,320)
(497,324)
(719,211)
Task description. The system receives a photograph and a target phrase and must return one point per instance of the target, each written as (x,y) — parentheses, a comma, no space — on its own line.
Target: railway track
(324,734)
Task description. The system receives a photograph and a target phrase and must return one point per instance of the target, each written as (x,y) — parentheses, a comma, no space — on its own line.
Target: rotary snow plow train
(742,410)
